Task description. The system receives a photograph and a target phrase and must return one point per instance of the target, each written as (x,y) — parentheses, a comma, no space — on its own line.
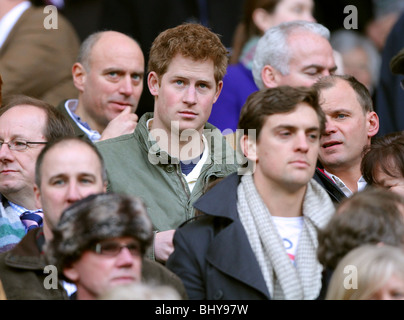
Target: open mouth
(330,144)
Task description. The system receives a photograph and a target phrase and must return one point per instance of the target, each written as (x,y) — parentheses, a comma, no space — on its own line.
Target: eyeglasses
(19,145)
(112,248)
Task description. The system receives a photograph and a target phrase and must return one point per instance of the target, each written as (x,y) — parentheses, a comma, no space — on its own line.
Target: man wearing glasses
(26,125)
(66,171)
(100,243)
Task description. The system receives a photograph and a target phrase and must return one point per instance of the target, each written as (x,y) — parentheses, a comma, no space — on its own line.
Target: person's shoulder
(155,273)
(116,140)
(51,25)
(200,227)
(155,269)
(237,69)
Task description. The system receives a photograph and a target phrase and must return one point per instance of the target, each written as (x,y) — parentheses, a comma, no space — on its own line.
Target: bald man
(108,75)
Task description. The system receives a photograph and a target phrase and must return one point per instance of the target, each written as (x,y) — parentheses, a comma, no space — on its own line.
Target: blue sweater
(12,230)
(238,84)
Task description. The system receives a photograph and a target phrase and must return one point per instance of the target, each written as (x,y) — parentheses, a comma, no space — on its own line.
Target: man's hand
(124,123)
(163,245)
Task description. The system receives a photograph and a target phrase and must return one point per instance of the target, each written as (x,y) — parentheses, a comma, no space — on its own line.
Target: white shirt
(71,106)
(289,229)
(10,19)
(361,184)
(70,288)
(192,177)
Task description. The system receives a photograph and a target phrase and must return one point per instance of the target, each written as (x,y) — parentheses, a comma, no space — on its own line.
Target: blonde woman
(369,272)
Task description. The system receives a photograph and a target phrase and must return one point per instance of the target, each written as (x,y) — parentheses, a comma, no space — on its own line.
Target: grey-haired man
(295,53)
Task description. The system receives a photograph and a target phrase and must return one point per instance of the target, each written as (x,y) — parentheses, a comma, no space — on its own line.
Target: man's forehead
(292,119)
(23,120)
(337,100)
(24,109)
(309,45)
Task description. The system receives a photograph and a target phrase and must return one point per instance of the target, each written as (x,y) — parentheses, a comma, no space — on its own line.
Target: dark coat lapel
(230,251)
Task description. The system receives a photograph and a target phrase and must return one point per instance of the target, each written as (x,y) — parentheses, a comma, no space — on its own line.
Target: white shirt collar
(10,19)
(71,106)
(192,177)
(361,184)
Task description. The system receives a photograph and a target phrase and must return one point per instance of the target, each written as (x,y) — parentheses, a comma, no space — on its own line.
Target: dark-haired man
(257,238)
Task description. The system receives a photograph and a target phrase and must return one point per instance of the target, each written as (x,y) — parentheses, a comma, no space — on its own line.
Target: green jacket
(156,177)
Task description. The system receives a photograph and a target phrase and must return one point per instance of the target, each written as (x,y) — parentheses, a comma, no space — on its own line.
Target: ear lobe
(249,148)
(71,273)
(79,76)
(153,83)
(269,76)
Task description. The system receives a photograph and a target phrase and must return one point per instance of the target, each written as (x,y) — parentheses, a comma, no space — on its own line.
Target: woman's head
(372,216)
(260,15)
(369,272)
(383,162)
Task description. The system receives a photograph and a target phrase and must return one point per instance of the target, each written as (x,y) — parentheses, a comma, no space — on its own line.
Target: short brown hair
(57,125)
(270,101)
(66,140)
(191,41)
(362,93)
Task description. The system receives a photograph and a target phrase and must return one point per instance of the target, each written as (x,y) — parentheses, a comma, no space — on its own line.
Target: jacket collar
(226,191)
(27,253)
(332,189)
(220,151)
(231,246)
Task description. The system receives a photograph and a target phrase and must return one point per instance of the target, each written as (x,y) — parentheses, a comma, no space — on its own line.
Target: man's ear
(249,148)
(153,83)
(79,76)
(218,90)
(262,19)
(373,124)
(269,76)
(71,273)
(37,194)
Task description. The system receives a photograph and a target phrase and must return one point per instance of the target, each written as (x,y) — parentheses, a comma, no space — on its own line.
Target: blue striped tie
(32,220)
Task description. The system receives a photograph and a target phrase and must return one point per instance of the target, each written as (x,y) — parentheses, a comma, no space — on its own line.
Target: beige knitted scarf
(283,279)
